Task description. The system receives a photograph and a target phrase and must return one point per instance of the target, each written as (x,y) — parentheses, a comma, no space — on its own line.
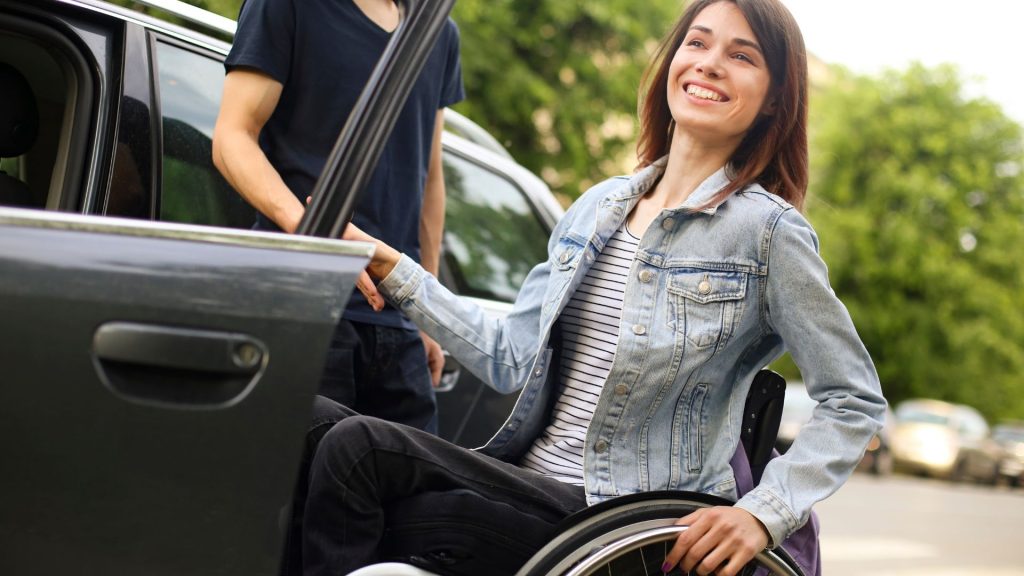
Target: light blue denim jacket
(712,297)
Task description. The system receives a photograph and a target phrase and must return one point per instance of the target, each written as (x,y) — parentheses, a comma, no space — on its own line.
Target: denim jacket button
(704,287)
(538,372)
(563,258)
(646,275)
(621,389)
(639,329)
(668,224)
(601,447)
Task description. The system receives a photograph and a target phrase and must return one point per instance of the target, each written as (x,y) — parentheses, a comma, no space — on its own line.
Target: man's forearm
(432,230)
(243,164)
(432,214)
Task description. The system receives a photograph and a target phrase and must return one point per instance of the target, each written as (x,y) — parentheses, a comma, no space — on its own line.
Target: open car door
(156,379)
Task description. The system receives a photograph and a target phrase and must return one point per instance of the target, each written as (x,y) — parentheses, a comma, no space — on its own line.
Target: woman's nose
(710,66)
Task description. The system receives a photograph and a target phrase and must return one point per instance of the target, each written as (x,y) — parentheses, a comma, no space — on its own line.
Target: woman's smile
(704,93)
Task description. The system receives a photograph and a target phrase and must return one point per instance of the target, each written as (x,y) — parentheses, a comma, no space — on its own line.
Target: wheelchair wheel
(631,537)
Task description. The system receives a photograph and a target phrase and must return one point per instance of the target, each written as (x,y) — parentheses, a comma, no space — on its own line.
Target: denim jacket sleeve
(499,351)
(815,327)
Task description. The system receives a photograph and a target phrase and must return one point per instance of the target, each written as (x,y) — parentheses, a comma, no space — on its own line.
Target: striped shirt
(590,334)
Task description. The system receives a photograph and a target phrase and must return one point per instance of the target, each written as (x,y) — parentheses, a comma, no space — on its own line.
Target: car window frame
(466,151)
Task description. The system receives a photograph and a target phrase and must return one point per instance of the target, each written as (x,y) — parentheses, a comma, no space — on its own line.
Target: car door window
(192,189)
(492,236)
(43,170)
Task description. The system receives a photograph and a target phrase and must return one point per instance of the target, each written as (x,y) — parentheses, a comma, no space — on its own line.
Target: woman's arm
(500,351)
(818,332)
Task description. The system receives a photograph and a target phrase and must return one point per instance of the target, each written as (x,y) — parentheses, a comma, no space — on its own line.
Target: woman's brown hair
(774,151)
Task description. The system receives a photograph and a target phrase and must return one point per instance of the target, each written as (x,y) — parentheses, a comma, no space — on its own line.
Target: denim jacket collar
(641,183)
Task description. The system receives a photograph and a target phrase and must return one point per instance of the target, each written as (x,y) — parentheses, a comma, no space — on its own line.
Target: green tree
(556,80)
(917,193)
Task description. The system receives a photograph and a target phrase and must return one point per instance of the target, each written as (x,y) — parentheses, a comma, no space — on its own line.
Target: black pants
(365,468)
(381,371)
(326,413)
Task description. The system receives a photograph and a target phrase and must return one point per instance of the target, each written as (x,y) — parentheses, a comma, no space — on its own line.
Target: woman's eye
(695,42)
(744,58)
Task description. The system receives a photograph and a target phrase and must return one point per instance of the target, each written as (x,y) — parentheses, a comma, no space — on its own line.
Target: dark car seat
(19,125)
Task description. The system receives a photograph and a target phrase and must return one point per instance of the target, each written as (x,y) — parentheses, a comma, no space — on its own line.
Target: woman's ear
(768,108)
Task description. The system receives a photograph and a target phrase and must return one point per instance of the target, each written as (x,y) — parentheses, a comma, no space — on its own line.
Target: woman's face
(718,79)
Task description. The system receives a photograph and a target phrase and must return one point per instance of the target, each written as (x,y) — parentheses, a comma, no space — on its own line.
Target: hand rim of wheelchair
(636,536)
(603,525)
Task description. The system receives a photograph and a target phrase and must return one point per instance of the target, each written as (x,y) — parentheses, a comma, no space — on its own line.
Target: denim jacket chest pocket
(706,304)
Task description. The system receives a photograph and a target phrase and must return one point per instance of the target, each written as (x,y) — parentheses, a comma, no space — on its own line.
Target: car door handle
(177,367)
(178,348)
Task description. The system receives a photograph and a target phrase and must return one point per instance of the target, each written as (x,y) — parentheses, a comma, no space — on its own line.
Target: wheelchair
(625,536)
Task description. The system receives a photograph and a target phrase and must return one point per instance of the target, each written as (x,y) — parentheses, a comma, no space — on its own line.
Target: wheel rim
(599,527)
(635,538)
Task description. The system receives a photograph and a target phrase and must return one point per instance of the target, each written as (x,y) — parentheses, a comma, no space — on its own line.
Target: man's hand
(435,358)
(719,540)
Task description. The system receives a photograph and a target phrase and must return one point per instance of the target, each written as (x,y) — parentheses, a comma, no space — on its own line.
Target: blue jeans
(381,371)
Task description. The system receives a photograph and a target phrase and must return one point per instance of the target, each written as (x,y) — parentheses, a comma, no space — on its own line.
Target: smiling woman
(636,341)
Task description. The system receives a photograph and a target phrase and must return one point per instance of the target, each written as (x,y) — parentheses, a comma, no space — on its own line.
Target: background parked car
(796,411)
(944,440)
(1010,437)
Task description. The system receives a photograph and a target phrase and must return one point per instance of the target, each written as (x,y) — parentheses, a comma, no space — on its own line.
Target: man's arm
(250,97)
(432,216)
(431,231)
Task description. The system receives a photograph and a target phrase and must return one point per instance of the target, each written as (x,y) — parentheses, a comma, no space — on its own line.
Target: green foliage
(556,80)
(917,194)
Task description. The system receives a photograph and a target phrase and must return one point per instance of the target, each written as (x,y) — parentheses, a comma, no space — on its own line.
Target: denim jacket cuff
(772,512)
(403,280)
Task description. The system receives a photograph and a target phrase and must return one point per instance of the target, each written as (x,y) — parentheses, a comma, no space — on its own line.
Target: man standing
(293,76)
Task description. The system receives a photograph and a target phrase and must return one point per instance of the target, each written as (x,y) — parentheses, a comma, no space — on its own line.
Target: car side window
(192,189)
(492,236)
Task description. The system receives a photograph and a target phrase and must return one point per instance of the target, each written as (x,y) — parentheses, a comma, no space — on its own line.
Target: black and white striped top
(590,334)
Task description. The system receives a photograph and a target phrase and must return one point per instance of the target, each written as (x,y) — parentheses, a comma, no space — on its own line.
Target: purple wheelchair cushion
(802,544)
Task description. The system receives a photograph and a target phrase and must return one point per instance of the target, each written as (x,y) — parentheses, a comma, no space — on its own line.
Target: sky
(982,37)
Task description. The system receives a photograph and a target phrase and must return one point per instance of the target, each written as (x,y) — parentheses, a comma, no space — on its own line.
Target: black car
(150,145)
(159,358)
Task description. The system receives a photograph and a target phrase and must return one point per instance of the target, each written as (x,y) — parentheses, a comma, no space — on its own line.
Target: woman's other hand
(719,540)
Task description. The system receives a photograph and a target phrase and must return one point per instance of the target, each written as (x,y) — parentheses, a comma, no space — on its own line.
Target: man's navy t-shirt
(322,52)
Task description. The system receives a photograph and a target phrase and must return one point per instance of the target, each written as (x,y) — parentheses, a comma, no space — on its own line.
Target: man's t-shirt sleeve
(453,91)
(264,38)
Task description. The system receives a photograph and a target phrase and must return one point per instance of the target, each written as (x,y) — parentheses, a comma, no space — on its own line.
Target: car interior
(43,95)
